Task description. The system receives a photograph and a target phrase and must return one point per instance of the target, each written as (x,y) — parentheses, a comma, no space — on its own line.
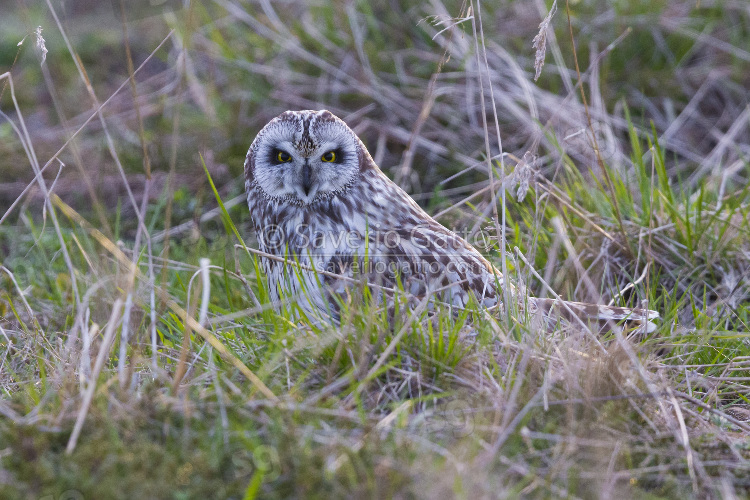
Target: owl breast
(374,233)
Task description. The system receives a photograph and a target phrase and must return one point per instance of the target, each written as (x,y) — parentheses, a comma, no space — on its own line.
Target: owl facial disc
(301,157)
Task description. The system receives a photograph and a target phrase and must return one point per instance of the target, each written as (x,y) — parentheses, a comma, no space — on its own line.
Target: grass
(132,367)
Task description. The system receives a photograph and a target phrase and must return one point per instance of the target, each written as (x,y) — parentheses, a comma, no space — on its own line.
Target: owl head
(301,157)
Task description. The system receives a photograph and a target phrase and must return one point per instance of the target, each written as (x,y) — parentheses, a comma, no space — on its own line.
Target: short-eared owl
(326,212)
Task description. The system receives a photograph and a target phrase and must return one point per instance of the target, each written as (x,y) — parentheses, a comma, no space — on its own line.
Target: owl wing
(453,271)
(598,318)
(419,259)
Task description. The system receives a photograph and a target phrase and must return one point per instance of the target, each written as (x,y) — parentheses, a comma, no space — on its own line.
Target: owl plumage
(329,215)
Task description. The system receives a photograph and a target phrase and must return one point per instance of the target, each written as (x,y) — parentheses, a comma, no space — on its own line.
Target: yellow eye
(329,157)
(283,157)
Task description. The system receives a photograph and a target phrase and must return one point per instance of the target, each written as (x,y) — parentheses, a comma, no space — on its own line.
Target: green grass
(388,403)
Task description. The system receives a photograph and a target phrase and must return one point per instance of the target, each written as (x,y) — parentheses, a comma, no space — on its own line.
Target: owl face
(301,157)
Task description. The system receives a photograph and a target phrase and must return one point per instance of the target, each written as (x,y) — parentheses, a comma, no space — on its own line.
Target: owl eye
(283,157)
(329,157)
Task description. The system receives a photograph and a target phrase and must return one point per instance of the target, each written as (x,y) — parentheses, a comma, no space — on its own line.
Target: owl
(327,217)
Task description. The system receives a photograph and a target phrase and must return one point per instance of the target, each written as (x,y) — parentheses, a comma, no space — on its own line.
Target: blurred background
(404,75)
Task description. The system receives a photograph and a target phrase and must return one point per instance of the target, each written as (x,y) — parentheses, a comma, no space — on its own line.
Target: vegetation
(140,356)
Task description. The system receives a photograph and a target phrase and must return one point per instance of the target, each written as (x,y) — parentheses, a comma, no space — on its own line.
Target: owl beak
(306,178)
